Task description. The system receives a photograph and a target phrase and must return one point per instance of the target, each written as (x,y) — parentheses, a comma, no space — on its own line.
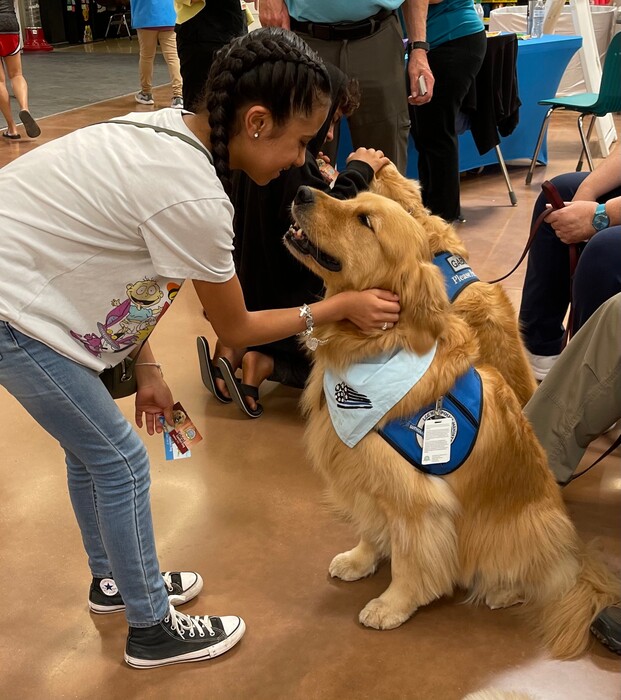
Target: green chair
(591,103)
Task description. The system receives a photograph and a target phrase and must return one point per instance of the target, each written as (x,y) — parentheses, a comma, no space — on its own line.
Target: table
(540,66)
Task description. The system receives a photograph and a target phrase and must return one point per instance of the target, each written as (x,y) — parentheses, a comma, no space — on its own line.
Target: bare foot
(256,368)
(234,356)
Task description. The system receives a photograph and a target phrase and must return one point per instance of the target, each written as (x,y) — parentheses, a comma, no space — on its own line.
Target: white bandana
(360,396)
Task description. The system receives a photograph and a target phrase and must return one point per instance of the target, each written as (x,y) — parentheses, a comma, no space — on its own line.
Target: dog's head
(370,242)
(389,182)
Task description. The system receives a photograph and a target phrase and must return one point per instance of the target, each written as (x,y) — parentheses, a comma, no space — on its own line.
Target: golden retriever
(497,526)
(485,307)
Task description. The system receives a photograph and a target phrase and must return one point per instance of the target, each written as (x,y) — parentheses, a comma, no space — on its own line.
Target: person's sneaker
(607,627)
(177,103)
(182,586)
(182,638)
(541,364)
(145,98)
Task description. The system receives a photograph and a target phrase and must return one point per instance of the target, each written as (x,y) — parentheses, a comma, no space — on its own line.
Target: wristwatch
(600,219)
(424,45)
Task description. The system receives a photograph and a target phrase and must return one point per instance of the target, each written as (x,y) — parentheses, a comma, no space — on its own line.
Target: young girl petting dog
(269,275)
(268,95)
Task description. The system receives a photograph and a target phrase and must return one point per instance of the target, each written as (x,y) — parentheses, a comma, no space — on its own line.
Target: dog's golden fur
(496,527)
(485,307)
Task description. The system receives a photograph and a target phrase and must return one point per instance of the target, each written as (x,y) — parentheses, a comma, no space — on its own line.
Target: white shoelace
(182,624)
(168,581)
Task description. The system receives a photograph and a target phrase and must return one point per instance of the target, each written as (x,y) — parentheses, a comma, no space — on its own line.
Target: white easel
(589,58)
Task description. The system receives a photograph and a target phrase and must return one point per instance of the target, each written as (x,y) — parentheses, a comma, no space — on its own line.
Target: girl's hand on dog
(376,159)
(371,310)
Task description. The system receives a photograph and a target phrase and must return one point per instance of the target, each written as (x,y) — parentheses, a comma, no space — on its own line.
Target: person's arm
(237,327)
(415,16)
(153,396)
(574,223)
(274,13)
(357,176)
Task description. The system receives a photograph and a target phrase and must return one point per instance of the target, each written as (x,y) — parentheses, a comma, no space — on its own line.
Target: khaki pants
(378,63)
(148,40)
(581,396)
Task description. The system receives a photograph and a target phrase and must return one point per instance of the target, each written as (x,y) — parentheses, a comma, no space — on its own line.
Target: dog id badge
(437,441)
(177,440)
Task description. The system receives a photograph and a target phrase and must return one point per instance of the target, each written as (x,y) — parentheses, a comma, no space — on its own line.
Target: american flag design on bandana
(346,397)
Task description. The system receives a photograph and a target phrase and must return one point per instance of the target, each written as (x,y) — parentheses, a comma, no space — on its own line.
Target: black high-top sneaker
(182,638)
(182,586)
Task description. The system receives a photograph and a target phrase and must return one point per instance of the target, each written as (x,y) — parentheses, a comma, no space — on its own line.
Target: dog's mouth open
(297,239)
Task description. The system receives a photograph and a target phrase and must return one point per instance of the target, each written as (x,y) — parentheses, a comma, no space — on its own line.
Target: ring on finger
(385,326)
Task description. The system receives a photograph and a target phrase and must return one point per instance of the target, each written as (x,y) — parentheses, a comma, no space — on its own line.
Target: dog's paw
(380,616)
(348,567)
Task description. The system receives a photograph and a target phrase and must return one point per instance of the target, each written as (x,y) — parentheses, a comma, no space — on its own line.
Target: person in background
(202,29)
(154,22)
(109,266)
(10,46)
(269,275)
(568,414)
(365,40)
(446,50)
(592,220)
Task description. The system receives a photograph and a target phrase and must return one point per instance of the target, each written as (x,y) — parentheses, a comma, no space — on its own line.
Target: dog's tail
(563,624)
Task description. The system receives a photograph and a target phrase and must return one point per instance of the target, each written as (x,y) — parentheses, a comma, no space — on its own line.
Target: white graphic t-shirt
(99,229)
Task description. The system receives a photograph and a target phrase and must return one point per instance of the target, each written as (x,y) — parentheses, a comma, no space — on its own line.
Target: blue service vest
(457,273)
(463,404)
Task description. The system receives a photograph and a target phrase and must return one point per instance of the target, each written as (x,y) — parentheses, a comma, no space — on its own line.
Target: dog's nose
(304,195)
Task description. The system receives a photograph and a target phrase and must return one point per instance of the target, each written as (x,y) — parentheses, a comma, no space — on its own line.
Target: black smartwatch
(424,45)
(600,219)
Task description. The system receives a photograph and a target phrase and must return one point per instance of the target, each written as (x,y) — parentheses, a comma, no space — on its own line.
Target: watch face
(600,221)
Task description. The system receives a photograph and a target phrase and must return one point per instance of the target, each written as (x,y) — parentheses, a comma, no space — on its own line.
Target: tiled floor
(246,511)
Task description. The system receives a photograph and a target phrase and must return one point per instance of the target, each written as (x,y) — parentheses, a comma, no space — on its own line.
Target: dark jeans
(545,298)
(455,65)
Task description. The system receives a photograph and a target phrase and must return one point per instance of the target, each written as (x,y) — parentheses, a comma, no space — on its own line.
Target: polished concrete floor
(247,512)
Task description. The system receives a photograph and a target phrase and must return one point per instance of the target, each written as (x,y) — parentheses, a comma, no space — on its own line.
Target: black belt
(343,30)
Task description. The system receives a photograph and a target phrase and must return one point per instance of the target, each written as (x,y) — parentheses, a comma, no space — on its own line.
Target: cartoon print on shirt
(129,322)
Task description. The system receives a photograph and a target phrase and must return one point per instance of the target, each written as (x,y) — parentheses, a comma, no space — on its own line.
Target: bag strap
(161,129)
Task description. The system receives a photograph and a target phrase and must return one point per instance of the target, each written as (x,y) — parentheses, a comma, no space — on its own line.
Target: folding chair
(596,104)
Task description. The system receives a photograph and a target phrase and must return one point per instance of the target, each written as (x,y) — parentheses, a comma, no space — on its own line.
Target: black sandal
(238,391)
(32,128)
(209,371)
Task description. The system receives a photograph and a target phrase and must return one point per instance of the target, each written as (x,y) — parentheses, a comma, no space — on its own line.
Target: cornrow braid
(271,67)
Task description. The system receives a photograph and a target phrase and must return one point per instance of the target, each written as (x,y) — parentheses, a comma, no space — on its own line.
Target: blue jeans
(107,467)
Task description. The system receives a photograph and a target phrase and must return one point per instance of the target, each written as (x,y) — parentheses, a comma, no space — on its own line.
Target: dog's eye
(365,221)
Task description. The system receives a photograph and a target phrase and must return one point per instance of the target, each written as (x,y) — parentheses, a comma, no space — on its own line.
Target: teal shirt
(153,13)
(333,11)
(451,19)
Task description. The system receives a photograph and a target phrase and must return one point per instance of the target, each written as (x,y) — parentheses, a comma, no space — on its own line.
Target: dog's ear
(423,300)
(389,182)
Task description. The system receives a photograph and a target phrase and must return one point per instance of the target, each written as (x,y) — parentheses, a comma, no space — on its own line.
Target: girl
(100,228)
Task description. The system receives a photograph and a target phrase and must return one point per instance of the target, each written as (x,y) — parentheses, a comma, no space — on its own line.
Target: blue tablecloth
(540,67)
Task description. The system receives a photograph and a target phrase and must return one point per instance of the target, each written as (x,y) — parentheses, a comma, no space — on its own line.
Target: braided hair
(271,67)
